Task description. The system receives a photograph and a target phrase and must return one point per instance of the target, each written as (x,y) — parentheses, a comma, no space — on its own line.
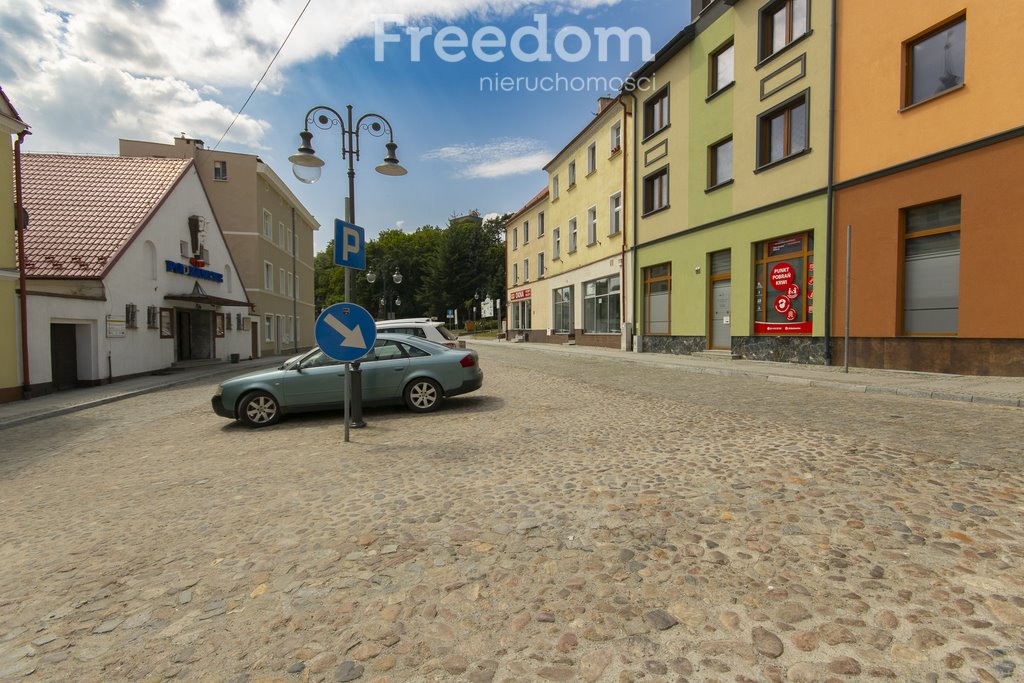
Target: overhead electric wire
(256,87)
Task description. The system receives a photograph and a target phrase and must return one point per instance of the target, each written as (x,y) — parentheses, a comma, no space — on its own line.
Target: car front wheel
(259,409)
(423,395)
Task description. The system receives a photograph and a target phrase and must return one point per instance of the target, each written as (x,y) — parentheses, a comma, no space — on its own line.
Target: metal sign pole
(846,340)
(348,375)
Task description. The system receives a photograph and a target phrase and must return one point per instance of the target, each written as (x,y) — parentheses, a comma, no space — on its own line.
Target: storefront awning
(198,295)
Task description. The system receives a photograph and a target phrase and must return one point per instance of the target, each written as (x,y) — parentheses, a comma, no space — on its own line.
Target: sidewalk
(1002,391)
(61,402)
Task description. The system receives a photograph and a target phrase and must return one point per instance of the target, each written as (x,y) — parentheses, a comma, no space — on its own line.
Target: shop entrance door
(721,300)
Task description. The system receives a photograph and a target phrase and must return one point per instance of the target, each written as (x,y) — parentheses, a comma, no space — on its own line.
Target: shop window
(656,113)
(931,268)
(935,63)
(782,22)
(782,132)
(657,299)
(722,71)
(521,314)
(561,307)
(720,163)
(784,285)
(656,191)
(601,301)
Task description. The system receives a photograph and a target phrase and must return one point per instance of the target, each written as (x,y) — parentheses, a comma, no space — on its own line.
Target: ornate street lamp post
(306,166)
(396,277)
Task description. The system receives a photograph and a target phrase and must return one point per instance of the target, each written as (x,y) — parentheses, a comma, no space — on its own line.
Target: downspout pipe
(19,224)
(636,316)
(624,213)
(295,289)
(830,189)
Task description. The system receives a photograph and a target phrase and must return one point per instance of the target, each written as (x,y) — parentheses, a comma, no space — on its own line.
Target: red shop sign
(783,304)
(521,294)
(782,328)
(793,291)
(781,276)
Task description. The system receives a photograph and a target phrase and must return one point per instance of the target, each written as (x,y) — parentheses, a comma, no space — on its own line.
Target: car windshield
(295,360)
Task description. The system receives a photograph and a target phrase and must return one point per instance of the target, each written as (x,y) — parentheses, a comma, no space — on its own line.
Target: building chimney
(603,103)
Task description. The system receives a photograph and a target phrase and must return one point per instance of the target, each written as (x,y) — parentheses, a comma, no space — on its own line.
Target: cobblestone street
(591,520)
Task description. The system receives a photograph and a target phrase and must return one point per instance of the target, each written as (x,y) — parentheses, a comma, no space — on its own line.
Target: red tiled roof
(84,210)
(526,207)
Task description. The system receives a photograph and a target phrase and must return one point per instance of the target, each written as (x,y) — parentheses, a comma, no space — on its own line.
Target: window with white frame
(572,235)
(526,270)
(515,273)
(591,158)
(572,174)
(290,245)
(591,225)
(515,238)
(556,243)
(601,305)
(554,188)
(268,276)
(615,141)
(291,286)
(268,328)
(540,265)
(615,214)
(280,235)
(184,250)
(282,284)
(526,232)
(282,330)
(268,225)
(220,170)
(540,224)
(561,313)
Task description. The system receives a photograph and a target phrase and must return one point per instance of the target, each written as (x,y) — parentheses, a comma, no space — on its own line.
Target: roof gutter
(19,224)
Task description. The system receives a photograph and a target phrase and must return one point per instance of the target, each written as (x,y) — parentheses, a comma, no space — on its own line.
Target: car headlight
(220,390)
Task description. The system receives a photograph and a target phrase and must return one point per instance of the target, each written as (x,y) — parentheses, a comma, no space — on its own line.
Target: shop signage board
(115,327)
(781,276)
(521,294)
(782,328)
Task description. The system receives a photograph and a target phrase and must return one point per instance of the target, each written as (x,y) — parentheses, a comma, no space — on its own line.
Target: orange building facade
(929,159)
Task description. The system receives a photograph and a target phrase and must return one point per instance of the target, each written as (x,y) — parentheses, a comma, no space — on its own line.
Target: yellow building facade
(569,249)
(11,126)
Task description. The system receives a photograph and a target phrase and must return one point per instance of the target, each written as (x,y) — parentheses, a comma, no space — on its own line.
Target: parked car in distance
(424,328)
(398,369)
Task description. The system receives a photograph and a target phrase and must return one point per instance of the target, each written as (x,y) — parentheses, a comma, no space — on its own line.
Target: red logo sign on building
(781,276)
(783,304)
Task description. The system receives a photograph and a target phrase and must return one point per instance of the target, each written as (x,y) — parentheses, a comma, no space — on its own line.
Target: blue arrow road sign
(349,245)
(345,332)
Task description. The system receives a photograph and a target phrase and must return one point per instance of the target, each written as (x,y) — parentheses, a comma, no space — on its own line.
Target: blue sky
(94,71)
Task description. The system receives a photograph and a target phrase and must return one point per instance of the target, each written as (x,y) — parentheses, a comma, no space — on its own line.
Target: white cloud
(496,159)
(95,70)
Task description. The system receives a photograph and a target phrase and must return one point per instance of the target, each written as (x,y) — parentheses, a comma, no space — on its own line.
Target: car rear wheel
(259,409)
(423,395)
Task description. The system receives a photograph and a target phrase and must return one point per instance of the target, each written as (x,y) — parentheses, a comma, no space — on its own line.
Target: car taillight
(450,345)
(467,361)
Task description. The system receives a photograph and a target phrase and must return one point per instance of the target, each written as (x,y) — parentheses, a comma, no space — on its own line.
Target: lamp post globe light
(307,167)
(396,277)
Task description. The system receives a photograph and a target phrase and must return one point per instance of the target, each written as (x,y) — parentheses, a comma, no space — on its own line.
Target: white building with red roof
(128,271)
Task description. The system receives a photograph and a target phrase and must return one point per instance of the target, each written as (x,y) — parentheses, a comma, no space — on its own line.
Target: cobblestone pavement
(571,521)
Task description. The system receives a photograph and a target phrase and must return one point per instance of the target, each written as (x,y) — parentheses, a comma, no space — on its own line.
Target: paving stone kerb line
(1001,391)
(64,402)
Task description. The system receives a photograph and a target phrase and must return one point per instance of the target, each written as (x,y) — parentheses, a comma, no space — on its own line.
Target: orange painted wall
(872,133)
(991,243)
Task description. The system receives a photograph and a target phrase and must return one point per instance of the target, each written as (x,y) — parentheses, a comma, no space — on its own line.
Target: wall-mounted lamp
(696,271)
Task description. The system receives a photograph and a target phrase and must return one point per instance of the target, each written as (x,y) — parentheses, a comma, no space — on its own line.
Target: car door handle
(398,369)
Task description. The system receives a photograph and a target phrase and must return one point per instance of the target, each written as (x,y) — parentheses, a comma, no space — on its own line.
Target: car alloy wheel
(423,395)
(259,409)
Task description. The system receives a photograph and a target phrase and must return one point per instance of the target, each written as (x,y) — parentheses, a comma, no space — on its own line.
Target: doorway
(194,335)
(721,300)
(63,356)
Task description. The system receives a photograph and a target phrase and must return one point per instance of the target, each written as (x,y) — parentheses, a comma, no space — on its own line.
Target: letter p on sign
(349,245)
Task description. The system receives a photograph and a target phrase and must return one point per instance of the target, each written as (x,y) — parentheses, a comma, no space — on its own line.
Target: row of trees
(442,269)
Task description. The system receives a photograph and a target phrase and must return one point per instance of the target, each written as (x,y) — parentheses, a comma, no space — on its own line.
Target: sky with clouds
(477,103)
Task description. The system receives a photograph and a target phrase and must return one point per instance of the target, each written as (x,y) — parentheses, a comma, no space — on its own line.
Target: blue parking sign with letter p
(349,245)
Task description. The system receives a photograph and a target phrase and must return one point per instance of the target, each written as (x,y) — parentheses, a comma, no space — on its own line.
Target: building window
(515,273)
(218,324)
(656,191)
(291,286)
(931,268)
(782,22)
(561,307)
(268,276)
(656,113)
(166,323)
(720,163)
(591,225)
(152,317)
(615,141)
(556,243)
(268,326)
(526,270)
(540,224)
(572,174)
(184,249)
(220,170)
(722,73)
(228,318)
(935,63)
(521,315)
(657,297)
(615,214)
(572,235)
(554,188)
(784,285)
(131,317)
(515,238)
(268,225)
(238,320)
(591,158)
(601,306)
(280,235)
(782,132)
(290,242)
(540,265)
(281,282)
(526,232)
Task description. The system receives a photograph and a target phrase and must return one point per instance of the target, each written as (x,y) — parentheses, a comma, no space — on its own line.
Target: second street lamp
(396,277)
(307,166)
